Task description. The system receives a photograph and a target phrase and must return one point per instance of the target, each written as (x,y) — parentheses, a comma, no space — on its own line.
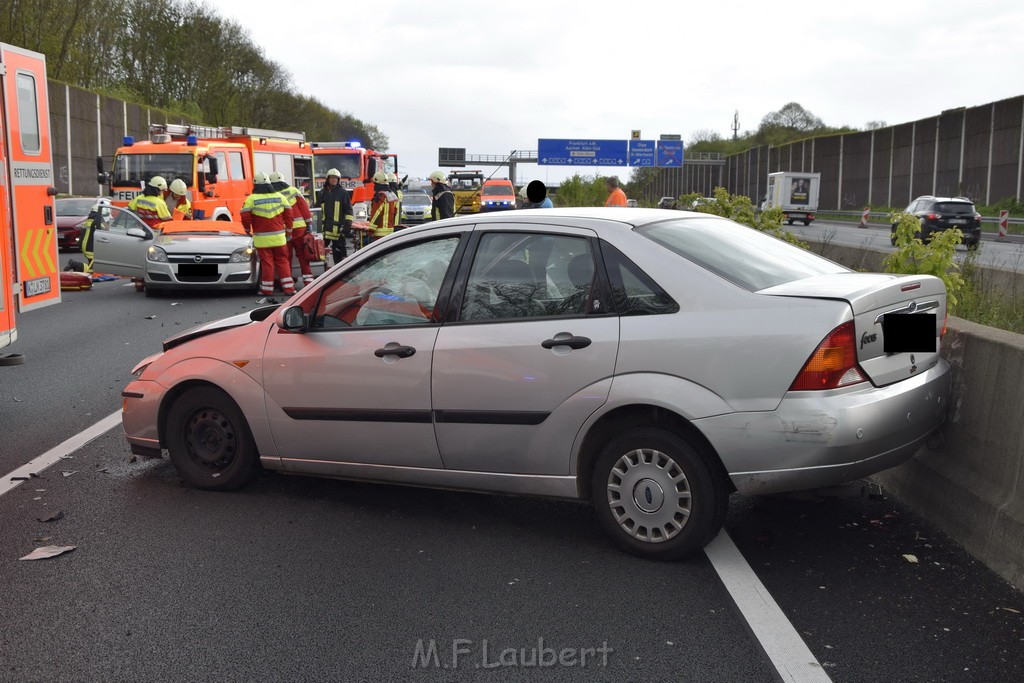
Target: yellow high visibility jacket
(269,217)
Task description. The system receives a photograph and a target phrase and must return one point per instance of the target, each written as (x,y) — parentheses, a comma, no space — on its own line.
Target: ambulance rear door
(29,177)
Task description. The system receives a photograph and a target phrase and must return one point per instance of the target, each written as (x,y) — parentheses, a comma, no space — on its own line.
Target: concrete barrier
(970,482)
(972,485)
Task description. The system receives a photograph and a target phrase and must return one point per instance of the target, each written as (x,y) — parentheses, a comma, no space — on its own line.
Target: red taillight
(934,216)
(833,364)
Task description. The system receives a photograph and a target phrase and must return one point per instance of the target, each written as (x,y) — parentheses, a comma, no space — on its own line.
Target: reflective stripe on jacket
(337,211)
(269,217)
(384,210)
(300,209)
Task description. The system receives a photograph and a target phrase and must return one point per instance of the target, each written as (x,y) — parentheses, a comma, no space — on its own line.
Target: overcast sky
(496,76)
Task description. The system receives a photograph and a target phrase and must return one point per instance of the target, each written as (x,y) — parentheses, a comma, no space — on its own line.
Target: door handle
(573,342)
(400,351)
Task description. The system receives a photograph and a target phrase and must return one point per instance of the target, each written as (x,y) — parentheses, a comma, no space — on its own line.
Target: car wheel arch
(172,395)
(626,417)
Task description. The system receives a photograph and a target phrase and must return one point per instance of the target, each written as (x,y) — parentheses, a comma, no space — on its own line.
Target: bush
(739,208)
(914,257)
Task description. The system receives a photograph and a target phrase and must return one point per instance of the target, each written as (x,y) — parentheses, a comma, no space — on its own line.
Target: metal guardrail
(885,216)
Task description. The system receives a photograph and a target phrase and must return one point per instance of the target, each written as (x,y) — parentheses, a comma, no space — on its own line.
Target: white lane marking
(781,643)
(53,455)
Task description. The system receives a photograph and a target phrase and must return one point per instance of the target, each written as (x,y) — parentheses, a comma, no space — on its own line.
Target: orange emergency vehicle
(216,164)
(28,231)
(357,166)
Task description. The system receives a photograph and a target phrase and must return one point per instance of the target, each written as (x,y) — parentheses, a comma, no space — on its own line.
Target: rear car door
(121,244)
(529,354)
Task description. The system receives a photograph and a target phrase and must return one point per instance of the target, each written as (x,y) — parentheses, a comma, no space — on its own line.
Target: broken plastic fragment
(59,514)
(912,559)
(48,551)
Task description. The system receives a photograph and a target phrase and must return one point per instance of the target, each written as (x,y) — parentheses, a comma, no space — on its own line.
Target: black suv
(942,213)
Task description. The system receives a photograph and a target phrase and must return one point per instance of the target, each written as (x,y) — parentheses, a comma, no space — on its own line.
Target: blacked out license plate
(197,269)
(908,332)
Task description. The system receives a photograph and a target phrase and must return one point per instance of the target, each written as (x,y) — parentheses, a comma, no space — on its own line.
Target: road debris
(1010,609)
(68,473)
(59,514)
(48,551)
(150,317)
(912,559)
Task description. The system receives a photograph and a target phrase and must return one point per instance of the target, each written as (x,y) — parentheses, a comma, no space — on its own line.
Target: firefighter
(301,216)
(98,215)
(177,201)
(443,202)
(383,208)
(335,214)
(395,185)
(150,205)
(267,216)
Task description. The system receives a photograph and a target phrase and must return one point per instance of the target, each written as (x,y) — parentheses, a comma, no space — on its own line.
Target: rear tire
(209,440)
(807,221)
(789,221)
(657,494)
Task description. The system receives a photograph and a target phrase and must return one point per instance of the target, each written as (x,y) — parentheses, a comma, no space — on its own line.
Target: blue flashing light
(128,141)
(191,141)
(355,143)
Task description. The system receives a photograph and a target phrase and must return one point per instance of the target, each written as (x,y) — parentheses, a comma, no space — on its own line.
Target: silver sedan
(179,255)
(649,361)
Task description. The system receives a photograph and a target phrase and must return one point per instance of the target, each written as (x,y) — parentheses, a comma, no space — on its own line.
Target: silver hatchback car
(650,361)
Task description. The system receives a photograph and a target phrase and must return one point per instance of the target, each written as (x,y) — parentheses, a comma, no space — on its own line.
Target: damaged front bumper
(816,439)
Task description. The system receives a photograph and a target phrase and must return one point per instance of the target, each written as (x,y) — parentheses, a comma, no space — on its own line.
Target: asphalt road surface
(297,578)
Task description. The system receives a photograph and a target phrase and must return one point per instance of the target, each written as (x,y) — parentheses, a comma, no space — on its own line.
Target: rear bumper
(814,440)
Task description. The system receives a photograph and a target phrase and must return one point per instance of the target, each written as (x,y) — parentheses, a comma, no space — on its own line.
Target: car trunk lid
(871,297)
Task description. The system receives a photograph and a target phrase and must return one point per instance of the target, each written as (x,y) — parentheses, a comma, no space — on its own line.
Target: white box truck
(795,193)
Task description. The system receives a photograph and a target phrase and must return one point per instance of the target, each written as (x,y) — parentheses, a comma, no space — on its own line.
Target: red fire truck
(28,233)
(356,165)
(216,163)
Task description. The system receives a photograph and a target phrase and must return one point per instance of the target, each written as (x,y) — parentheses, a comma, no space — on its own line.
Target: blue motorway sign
(581,152)
(641,153)
(670,153)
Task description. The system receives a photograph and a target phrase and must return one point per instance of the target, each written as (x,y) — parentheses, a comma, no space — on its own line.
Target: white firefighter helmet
(276,177)
(437,177)
(260,178)
(158,182)
(380,177)
(333,172)
(178,186)
(393,178)
(522,193)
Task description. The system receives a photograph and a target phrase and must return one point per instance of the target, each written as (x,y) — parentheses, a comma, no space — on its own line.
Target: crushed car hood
(255,315)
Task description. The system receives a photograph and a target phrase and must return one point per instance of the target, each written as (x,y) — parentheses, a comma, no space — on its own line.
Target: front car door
(529,354)
(121,243)
(355,386)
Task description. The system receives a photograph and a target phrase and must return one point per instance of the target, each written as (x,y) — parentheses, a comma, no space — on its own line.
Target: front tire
(657,494)
(209,440)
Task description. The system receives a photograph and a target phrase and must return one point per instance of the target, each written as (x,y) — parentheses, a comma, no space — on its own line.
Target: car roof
(600,219)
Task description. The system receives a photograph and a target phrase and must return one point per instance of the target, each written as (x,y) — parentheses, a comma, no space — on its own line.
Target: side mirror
(99,164)
(103,178)
(137,232)
(201,181)
(213,166)
(292,319)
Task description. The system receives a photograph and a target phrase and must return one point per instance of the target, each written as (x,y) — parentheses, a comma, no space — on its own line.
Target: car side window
(399,287)
(633,291)
(528,275)
(121,221)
